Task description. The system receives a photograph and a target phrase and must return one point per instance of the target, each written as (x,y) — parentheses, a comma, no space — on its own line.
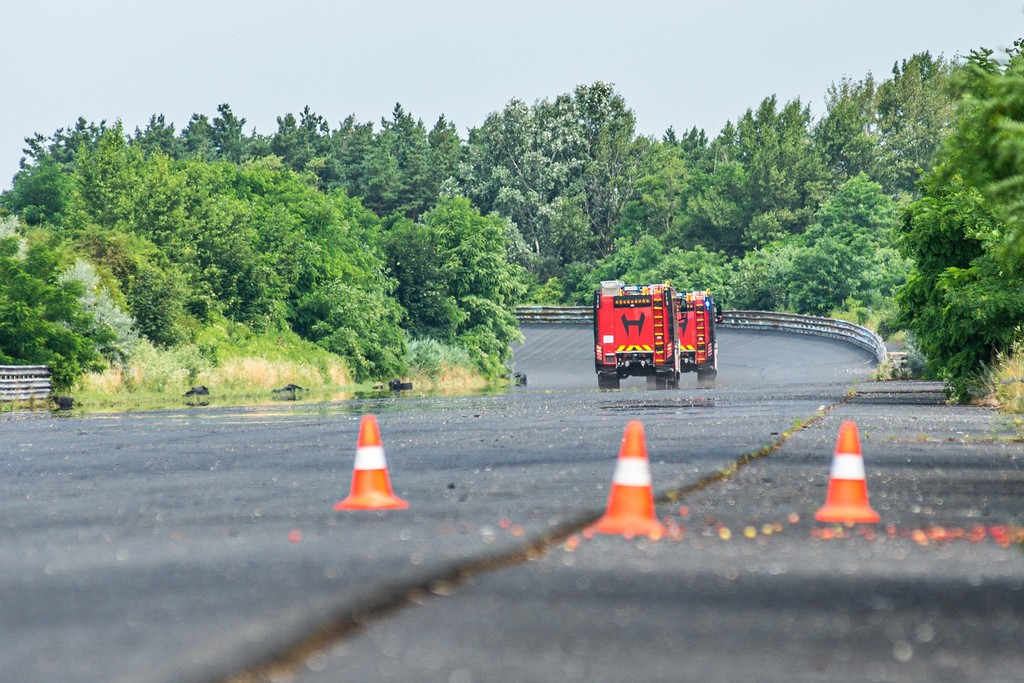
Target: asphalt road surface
(202,545)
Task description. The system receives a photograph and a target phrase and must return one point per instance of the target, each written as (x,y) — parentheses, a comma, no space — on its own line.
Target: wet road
(749,587)
(749,360)
(195,545)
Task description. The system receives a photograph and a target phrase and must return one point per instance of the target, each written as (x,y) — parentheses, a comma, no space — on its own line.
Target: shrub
(97,301)
(431,357)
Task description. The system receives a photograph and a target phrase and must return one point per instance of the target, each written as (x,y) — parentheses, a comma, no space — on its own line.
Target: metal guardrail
(791,323)
(555,314)
(24,382)
(829,328)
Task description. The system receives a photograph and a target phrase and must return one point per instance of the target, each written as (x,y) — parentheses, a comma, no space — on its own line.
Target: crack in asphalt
(350,618)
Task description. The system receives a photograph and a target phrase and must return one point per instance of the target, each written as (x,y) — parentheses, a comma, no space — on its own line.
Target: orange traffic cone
(371,487)
(847,499)
(631,502)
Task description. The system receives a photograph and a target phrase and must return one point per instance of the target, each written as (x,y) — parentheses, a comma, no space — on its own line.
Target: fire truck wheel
(607,381)
(663,381)
(706,378)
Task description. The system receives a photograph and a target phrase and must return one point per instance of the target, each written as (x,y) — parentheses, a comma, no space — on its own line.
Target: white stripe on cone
(632,471)
(370,458)
(847,467)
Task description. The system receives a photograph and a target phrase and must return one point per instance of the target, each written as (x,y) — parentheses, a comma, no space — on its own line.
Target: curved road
(202,545)
(560,357)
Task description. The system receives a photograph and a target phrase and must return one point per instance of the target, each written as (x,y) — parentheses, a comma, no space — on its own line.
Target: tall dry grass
(260,373)
(1007,384)
(159,378)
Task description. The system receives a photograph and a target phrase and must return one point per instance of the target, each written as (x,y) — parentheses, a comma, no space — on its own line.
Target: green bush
(107,315)
(431,357)
(42,321)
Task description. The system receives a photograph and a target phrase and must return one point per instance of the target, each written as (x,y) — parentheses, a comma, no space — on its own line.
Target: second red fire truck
(655,332)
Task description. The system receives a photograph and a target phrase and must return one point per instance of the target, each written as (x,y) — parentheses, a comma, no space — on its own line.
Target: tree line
(360,237)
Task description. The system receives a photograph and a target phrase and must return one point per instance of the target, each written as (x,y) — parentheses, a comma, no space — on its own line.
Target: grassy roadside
(1000,387)
(1006,384)
(247,369)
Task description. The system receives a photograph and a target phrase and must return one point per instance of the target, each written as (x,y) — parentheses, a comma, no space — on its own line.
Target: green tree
(414,259)
(404,140)
(352,145)
(915,110)
(764,277)
(194,214)
(561,171)
(222,241)
(106,181)
(63,146)
(503,174)
(40,192)
(785,175)
(154,288)
(716,216)
(197,139)
(961,305)
(646,262)
(342,299)
(360,325)
(158,136)
(446,154)
(113,330)
(848,252)
(127,212)
(964,300)
(41,319)
(42,187)
(821,276)
(987,144)
(157,297)
(472,270)
(303,143)
(609,150)
(848,132)
(761,179)
(662,190)
(228,134)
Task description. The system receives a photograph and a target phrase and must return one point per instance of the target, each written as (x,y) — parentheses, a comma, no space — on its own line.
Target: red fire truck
(656,332)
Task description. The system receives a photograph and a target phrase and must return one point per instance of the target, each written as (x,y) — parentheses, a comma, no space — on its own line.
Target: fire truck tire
(706,378)
(607,381)
(663,381)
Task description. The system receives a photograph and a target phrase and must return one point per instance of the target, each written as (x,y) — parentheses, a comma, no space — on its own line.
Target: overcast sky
(677,63)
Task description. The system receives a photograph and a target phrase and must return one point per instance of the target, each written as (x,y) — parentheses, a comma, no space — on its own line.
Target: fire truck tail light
(609,358)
